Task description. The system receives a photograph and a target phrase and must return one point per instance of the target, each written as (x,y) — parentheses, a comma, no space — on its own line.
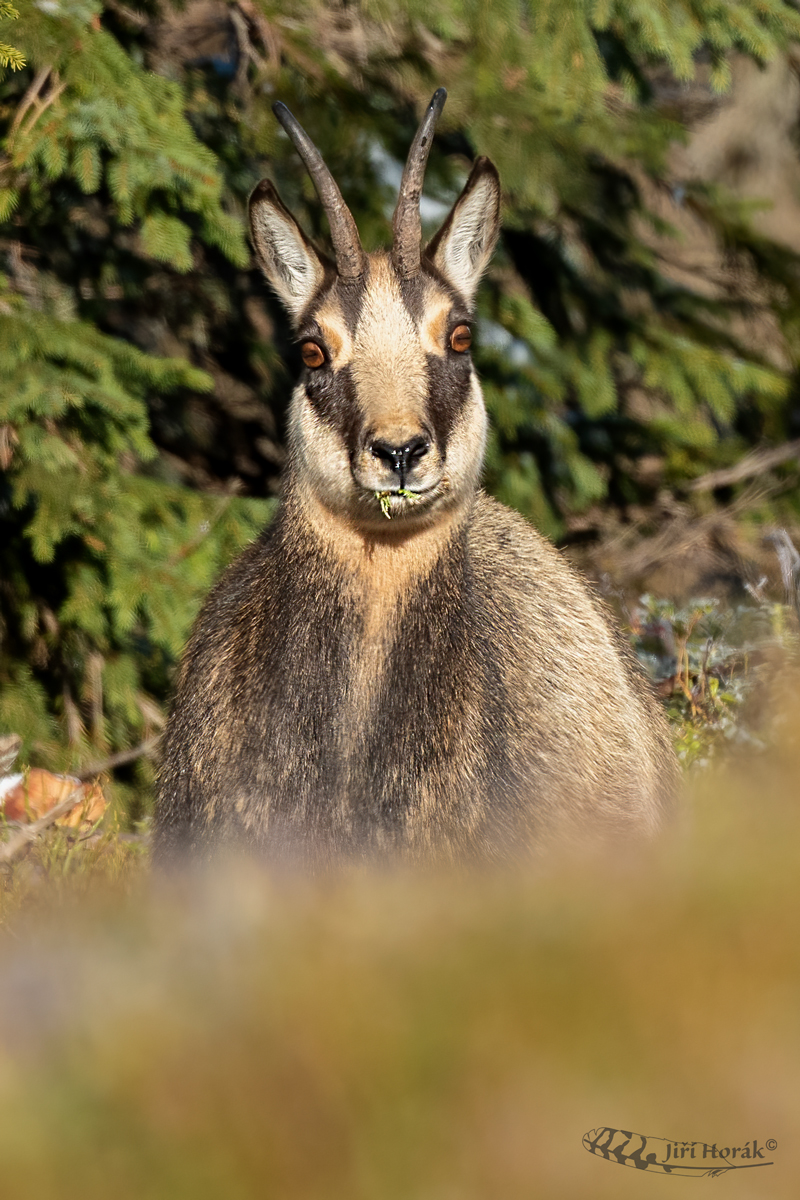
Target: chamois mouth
(405,502)
(387,499)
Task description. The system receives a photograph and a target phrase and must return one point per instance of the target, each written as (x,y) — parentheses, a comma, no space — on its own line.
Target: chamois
(399,663)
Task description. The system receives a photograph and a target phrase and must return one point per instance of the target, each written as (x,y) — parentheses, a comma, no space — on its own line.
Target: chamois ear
(463,246)
(291,264)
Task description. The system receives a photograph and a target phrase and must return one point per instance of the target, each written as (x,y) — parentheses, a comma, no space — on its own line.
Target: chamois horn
(406,223)
(344,235)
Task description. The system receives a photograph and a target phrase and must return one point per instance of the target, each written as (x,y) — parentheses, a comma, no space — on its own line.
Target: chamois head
(388,417)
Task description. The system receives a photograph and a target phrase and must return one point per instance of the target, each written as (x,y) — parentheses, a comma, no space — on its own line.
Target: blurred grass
(412,1035)
(66,864)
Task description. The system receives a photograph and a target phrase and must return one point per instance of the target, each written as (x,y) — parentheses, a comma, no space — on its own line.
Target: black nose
(401,459)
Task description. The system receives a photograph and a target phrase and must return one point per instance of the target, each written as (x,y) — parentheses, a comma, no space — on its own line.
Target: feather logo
(666,1156)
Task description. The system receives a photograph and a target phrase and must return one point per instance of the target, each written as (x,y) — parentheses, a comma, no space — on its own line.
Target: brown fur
(440,683)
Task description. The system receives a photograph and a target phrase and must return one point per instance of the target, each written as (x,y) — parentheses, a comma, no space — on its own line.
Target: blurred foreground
(370,1037)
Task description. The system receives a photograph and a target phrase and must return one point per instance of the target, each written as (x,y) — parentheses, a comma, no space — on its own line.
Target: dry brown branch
(266,32)
(685,547)
(118,760)
(28,833)
(247,51)
(41,107)
(39,80)
(245,48)
(138,19)
(150,711)
(757,463)
(10,744)
(94,692)
(73,717)
(789,561)
(8,440)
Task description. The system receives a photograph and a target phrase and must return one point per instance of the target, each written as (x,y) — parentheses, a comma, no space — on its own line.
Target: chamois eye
(312,354)
(461,338)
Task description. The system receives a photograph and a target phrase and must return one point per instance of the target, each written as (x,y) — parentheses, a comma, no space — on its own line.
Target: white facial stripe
(325,463)
(465,446)
(389,365)
(335,332)
(433,329)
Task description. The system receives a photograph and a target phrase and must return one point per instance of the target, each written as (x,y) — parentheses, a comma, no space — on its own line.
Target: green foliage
(121,127)
(9,55)
(106,557)
(104,563)
(142,376)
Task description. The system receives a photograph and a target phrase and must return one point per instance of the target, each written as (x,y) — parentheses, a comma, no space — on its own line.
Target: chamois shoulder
(513,552)
(529,580)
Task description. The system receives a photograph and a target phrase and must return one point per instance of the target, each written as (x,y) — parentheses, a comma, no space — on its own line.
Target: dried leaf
(39,791)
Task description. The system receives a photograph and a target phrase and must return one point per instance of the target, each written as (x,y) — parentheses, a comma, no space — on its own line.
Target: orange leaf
(35,795)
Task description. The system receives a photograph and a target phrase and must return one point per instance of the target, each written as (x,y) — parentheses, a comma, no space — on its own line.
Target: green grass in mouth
(383,500)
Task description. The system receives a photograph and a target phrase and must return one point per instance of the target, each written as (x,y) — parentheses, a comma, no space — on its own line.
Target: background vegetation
(144,369)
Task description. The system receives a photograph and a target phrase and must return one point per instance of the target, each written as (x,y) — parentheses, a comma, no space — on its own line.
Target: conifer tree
(9,55)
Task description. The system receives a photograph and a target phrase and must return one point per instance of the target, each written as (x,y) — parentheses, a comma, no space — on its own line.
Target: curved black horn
(406,223)
(344,235)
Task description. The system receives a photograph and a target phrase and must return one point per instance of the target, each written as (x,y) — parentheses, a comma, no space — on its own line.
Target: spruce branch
(11,57)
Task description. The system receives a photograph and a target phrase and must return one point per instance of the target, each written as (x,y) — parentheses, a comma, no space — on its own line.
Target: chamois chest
(352,705)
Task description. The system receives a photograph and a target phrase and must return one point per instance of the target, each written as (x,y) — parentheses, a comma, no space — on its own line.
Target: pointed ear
(463,246)
(291,264)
